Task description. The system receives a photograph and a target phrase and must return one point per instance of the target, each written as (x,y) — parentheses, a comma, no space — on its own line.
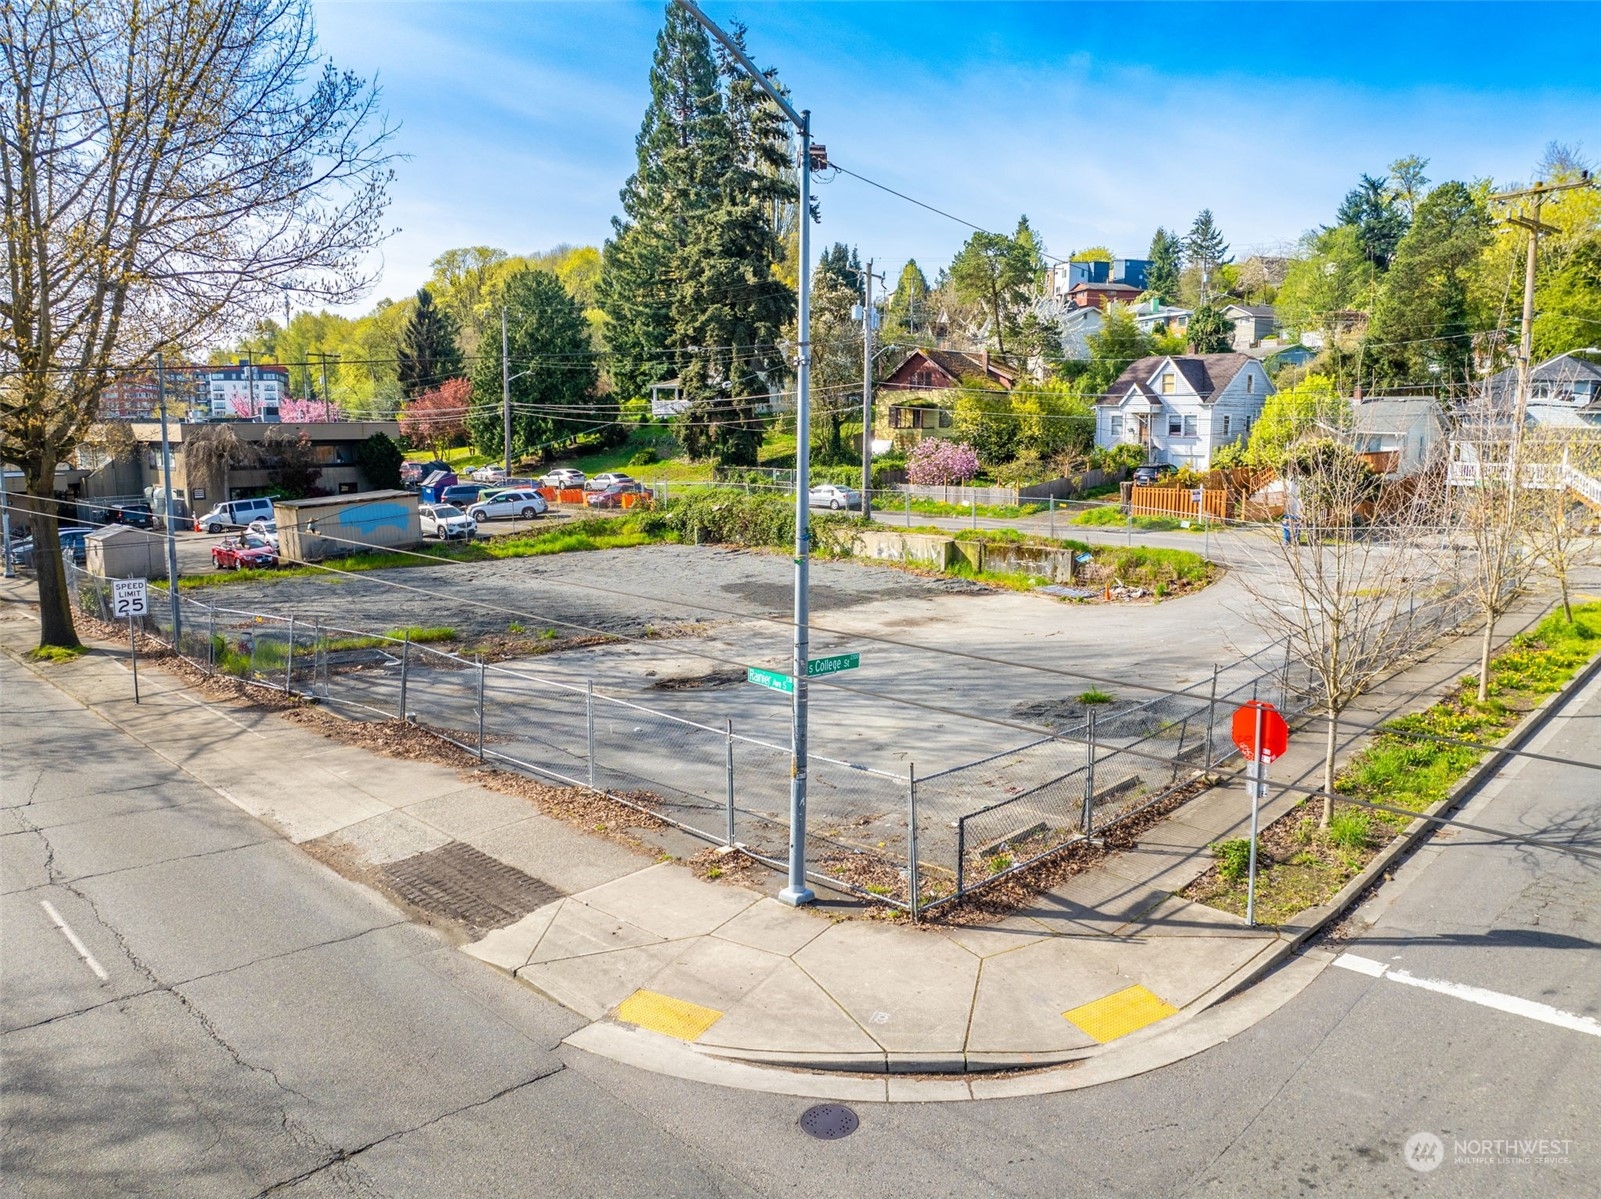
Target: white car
(445,521)
(604,480)
(831,495)
(509,505)
(489,474)
(267,530)
(563,476)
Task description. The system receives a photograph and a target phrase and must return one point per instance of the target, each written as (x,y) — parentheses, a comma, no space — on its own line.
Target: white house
(1181,407)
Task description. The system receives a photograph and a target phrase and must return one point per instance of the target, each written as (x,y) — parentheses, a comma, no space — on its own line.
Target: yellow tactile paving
(664,1014)
(1120,1013)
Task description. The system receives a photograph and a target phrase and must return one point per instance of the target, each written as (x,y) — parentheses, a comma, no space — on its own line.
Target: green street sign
(770,679)
(832,665)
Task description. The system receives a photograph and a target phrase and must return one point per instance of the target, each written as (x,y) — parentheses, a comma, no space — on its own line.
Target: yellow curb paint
(1120,1013)
(666,1015)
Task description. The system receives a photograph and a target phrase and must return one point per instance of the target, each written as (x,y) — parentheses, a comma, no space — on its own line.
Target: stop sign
(1275,733)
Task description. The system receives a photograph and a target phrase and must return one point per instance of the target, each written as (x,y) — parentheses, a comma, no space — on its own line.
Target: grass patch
(1095,696)
(1112,515)
(57,653)
(925,507)
(1303,865)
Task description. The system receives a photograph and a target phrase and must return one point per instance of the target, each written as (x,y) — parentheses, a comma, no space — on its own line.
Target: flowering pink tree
(939,463)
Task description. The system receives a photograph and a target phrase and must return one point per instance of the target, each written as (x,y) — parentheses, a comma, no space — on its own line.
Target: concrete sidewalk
(675,972)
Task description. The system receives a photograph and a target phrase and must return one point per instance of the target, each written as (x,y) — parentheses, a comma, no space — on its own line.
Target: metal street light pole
(867,393)
(796,892)
(166,504)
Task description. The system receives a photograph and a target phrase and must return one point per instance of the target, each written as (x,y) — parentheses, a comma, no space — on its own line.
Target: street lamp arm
(757,76)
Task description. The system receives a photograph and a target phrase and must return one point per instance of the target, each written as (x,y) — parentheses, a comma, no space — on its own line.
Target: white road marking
(1511,1004)
(72,938)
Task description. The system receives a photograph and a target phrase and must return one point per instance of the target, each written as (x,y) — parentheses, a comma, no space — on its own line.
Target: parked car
(1153,472)
(605,479)
(22,549)
(247,552)
(137,515)
(445,521)
(612,496)
(267,530)
(516,504)
(489,474)
(563,476)
(831,495)
(233,514)
(459,495)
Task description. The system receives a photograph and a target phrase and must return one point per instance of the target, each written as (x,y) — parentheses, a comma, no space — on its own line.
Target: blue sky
(1100,121)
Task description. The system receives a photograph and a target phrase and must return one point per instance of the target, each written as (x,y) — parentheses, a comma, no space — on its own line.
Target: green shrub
(1095,696)
(645,457)
(1233,858)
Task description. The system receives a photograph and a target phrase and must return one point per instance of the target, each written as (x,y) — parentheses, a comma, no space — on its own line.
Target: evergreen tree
(556,397)
(842,264)
(1117,343)
(1424,318)
(998,274)
(1205,248)
(1167,261)
(428,354)
(1209,331)
(1371,209)
(906,314)
(688,280)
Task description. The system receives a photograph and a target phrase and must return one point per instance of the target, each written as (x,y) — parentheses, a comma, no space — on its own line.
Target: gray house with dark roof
(1564,391)
(1182,407)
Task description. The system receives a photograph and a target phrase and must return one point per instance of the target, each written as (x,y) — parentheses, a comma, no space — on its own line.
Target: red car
(244,553)
(612,496)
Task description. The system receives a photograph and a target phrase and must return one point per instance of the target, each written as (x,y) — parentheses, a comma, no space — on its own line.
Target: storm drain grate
(468,886)
(829,1121)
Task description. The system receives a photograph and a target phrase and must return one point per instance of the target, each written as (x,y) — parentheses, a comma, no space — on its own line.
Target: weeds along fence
(912,842)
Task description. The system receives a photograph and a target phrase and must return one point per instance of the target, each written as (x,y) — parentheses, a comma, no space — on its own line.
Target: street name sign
(833,665)
(129,598)
(770,679)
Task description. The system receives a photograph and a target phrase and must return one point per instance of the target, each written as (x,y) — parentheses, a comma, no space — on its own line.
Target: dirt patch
(712,680)
(721,864)
(1070,711)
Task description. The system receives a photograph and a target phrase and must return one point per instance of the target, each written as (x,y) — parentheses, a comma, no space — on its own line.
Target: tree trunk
(1328,769)
(55,603)
(1484,658)
(1567,606)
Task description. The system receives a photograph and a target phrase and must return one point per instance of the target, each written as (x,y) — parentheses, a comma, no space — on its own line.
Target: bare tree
(1565,476)
(1359,587)
(169,169)
(1494,508)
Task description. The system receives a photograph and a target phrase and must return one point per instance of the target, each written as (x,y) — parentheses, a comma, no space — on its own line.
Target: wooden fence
(1178,501)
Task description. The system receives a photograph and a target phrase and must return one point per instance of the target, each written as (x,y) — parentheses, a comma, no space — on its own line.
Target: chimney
(1356,394)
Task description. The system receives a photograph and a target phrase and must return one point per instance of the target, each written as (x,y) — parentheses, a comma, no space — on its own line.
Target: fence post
(319,659)
(1088,820)
(975,509)
(480,707)
(289,659)
(211,640)
(1211,719)
(728,773)
(589,726)
(961,854)
(911,836)
(1051,505)
(405,664)
(908,509)
(1284,679)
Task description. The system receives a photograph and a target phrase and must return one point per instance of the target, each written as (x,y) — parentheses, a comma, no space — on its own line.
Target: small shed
(124,552)
(336,525)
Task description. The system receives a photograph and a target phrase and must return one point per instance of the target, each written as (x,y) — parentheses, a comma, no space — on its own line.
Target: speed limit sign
(129,598)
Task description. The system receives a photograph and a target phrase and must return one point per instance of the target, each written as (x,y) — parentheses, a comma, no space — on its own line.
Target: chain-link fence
(915,842)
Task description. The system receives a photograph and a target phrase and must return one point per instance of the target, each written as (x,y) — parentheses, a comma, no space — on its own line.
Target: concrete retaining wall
(941,553)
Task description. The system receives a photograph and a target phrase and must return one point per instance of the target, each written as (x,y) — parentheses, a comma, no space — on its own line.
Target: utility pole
(505,393)
(1536,195)
(166,504)
(867,392)
(250,383)
(322,357)
(796,892)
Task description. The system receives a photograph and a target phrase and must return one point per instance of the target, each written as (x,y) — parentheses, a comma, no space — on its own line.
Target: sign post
(1261,735)
(815,667)
(1198,497)
(131,598)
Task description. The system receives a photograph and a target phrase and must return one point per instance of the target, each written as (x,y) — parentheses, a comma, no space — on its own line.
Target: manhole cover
(829,1121)
(468,886)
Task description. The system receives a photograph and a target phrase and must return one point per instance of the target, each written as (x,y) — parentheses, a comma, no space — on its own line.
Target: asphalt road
(266,1027)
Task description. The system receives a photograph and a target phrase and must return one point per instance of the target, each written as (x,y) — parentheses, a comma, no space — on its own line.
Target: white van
(233,514)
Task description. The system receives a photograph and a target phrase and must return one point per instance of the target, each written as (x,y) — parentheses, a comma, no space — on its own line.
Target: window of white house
(1175,425)
(1167,383)
(1189,426)
(1114,425)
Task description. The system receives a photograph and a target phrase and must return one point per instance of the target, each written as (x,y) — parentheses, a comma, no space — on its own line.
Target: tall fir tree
(842,264)
(906,315)
(1205,248)
(428,352)
(688,280)
(1379,220)
(1167,263)
(556,397)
